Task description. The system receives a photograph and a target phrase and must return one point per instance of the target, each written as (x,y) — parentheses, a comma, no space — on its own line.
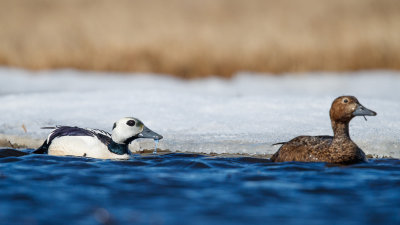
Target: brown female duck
(338,149)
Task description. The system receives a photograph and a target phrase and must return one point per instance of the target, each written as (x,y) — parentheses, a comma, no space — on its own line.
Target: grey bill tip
(362,111)
(147,133)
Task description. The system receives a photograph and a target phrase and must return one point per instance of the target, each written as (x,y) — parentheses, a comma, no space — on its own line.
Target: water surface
(196,189)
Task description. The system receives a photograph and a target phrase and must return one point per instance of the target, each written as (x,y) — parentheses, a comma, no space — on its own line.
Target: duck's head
(128,129)
(345,108)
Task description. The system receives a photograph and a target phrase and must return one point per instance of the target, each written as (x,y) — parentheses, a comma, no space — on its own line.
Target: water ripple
(182,188)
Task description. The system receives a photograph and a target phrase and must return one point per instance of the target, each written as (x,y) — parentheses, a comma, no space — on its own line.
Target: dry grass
(192,38)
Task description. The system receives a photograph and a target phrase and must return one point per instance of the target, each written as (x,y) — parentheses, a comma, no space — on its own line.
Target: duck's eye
(131,123)
(345,100)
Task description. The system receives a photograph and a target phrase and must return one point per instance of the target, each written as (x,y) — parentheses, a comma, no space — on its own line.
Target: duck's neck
(119,149)
(341,130)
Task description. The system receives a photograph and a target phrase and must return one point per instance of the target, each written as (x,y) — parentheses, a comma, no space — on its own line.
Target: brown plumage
(338,149)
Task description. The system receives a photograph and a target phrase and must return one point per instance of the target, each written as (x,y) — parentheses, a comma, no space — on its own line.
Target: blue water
(195,189)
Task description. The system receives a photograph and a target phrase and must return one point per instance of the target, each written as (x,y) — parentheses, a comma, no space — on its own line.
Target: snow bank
(243,115)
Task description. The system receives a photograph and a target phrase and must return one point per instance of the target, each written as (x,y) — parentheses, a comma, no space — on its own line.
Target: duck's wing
(302,148)
(61,131)
(102,135)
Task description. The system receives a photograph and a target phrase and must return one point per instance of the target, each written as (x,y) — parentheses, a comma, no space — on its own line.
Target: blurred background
(188,38)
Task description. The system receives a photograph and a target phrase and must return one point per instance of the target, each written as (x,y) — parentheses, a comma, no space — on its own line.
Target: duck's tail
(45,146)
(279,143)
(42,149)
(50,127)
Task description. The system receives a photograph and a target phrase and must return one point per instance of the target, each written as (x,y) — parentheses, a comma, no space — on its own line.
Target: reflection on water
(195,189)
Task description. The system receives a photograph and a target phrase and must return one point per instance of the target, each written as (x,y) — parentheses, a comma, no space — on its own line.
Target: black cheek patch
(115,125)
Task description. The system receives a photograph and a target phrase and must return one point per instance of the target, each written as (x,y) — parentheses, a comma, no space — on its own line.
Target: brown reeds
(192,38)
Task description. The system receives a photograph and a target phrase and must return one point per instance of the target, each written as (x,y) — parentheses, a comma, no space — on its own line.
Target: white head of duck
(127,129)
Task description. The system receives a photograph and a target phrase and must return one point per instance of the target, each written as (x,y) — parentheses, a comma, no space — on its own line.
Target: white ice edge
(246,114)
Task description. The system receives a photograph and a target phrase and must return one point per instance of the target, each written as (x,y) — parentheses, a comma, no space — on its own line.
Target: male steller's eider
(94,143)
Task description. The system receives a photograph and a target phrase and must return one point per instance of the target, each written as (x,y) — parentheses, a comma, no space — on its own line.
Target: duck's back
(304,149)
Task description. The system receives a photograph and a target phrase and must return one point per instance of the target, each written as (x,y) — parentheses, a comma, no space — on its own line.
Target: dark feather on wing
(61,131)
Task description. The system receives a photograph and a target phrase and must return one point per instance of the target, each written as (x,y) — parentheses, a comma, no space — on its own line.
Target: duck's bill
(362,111)
(147,133)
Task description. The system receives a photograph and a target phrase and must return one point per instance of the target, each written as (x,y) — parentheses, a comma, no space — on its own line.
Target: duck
(336,149)
(96,143)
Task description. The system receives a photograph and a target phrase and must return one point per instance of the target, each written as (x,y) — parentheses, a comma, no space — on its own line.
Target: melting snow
(243,115)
